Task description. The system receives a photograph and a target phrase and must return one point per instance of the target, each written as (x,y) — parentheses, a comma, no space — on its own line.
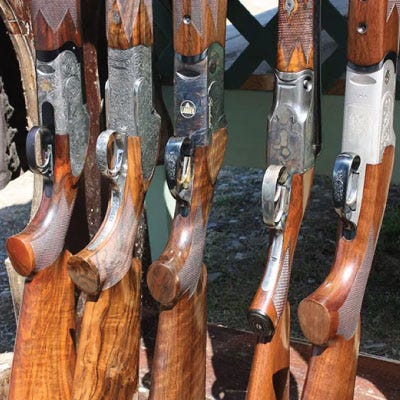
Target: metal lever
(275,196)
(345,186)
(178,167)
(42,137)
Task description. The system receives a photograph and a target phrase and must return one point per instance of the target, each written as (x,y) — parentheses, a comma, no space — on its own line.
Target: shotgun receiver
(44,354)
(193,158)
(293,142)
(127,154)
(329,317)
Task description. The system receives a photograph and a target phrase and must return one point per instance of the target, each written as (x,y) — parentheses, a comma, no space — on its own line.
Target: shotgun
(193,158)
(127,154)
(44,354)
(330,317)
(293,142)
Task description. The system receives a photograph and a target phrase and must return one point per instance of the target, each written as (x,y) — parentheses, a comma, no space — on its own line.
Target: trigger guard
(46,141)
(103,141)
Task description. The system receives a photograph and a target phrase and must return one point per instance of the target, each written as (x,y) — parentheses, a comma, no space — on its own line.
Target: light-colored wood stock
(108,350)
(129,25)
(178,369)
(183,253)
(332,370)
(373,31)
(99,268)
(42,241)
(198,24)
(44,353)
(269,375)
(319,313)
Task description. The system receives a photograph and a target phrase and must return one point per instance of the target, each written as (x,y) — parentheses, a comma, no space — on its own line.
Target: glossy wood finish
(42,241)
(297,33)
(108,351)
(178,369)
(129,23)
(269,375)
(44,353)
(320,313)
(271,302)
(197,24)
(101,265)
(379,20)
(56,24)
(331,372)
(178,268)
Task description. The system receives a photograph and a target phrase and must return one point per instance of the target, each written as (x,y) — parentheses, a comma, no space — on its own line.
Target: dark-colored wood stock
(44,353)
(130,25)
(296,35)
(177,269)
(178,368)
(110,324)
(198,24)
(319,313)
(373,31)
(99,268)
(267,302)
(41,242)
(331,372)
(269,376)
(55,23)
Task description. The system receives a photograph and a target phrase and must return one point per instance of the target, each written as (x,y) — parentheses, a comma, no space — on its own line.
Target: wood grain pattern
(381,31)
(129,23)
(101,265)
(198,24)
(108,351)
(265,302)
(42,241)
(269,375)
(178,268)
(44,354)
(55,23)
(320,313)
(331,372)
(178,369)
(296,35)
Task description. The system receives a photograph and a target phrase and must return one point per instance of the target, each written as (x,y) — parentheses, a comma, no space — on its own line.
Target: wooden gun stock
(177,270)
(291,150)
(42,241)
(193,158)
(106,260)
(44,356)
(329,317)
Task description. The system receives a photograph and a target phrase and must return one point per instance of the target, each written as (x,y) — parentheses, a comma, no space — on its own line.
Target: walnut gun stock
(293,143)
(329,317)
(193,158)
(127,154)
(44,354)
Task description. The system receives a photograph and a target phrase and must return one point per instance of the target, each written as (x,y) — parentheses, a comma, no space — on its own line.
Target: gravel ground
(235,256)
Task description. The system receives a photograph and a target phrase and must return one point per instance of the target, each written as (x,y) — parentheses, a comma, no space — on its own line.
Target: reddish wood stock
(108,351)
(101,267)
(272,302)
(180,354)
(332,370)
(334,308)
(296,36)
(44,352)
(269,375)
(178,268)
(43,239)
